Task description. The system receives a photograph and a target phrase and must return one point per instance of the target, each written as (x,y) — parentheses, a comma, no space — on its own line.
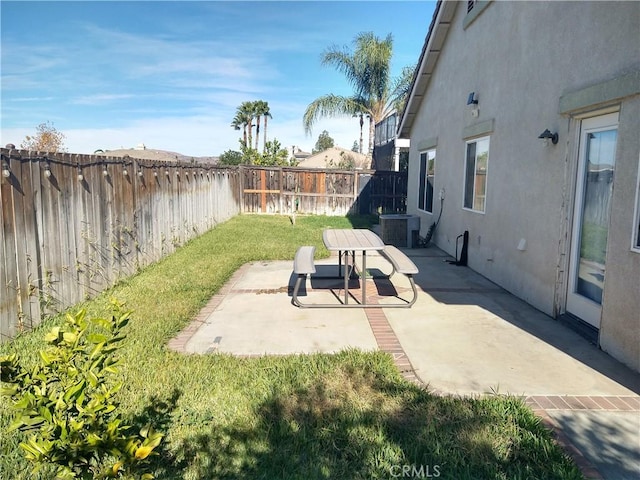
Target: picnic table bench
(304,266)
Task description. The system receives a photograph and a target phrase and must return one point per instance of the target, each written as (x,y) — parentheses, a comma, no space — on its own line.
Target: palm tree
(261,110)
(246,112)
(367,69)
(243,119)
(237,123)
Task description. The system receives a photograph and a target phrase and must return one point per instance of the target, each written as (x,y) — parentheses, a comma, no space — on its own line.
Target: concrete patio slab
(463,336)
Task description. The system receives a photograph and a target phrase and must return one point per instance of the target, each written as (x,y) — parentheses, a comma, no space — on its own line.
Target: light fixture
(124,172)
(155,173)
(140,172)
(105,172)
(80,175)
(6,173)
(472,100)
(166,172)
(47,170)
(547,136)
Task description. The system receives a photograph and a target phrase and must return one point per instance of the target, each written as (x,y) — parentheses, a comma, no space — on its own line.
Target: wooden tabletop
(351,239)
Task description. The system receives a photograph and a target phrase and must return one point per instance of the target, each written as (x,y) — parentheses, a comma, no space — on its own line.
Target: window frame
(635,231)
(423,180)
(465,179)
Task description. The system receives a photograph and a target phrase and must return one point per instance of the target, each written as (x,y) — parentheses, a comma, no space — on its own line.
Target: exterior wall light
(6,173)
(139,173)
(472,104)
(155,173)
(80,175)
(124,172)
(166,172)
(547,136)
(47,170)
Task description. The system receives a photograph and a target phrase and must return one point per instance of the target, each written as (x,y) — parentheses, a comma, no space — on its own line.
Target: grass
(345,416)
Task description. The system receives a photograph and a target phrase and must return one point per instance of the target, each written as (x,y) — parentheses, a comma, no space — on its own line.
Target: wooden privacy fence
(73,225)
(286,190)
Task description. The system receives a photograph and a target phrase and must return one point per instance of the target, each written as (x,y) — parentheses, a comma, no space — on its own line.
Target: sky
(170,75)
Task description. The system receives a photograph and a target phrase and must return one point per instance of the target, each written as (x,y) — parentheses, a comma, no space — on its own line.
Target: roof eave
(440,24)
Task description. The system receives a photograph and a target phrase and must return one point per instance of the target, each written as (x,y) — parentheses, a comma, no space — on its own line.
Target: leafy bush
(66,402)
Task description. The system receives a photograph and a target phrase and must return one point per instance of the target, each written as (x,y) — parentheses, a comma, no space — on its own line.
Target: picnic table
(344,241)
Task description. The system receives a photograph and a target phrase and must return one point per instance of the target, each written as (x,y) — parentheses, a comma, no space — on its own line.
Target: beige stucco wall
(620,328)
(520,58)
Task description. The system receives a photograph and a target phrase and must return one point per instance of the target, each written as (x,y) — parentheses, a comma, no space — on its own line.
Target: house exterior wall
(532,66)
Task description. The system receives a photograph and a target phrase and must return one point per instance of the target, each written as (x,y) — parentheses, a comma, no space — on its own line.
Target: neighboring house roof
(442,17)
(332,157)
(299,154)
(155,155)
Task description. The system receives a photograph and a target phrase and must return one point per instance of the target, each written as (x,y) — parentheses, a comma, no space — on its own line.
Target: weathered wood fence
(324,192)
(73,225)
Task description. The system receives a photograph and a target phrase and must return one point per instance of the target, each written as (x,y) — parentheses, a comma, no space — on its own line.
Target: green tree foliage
(46,139)
(367,69)
(323,143)
(66,405)
(273,154)
(230,157)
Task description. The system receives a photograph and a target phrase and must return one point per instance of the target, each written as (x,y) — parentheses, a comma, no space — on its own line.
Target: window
(427,171)
(475,176)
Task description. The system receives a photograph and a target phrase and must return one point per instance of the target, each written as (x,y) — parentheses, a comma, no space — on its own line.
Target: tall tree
(323,143)
(367,69)
(46,139)
(240,122)
(246,111)
(261,111)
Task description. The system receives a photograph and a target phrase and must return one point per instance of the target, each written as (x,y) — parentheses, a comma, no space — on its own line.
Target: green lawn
(344,416)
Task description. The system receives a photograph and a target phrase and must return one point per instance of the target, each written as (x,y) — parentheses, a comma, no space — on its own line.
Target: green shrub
(65,403)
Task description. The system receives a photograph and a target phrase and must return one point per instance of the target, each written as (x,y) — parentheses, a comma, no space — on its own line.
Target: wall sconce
(6,173)
(166,172)
(140,172)
(80,175)
(124,172)
(47,170)
(155,173)
(105,172)
(547,136)
(472,104)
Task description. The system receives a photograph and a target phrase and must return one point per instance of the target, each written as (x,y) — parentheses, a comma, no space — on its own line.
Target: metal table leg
(364,277)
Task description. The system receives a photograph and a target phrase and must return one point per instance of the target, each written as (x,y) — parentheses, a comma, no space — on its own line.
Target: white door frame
(584,308)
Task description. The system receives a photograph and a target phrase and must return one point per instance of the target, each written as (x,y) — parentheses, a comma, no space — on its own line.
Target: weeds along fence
(73,225)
